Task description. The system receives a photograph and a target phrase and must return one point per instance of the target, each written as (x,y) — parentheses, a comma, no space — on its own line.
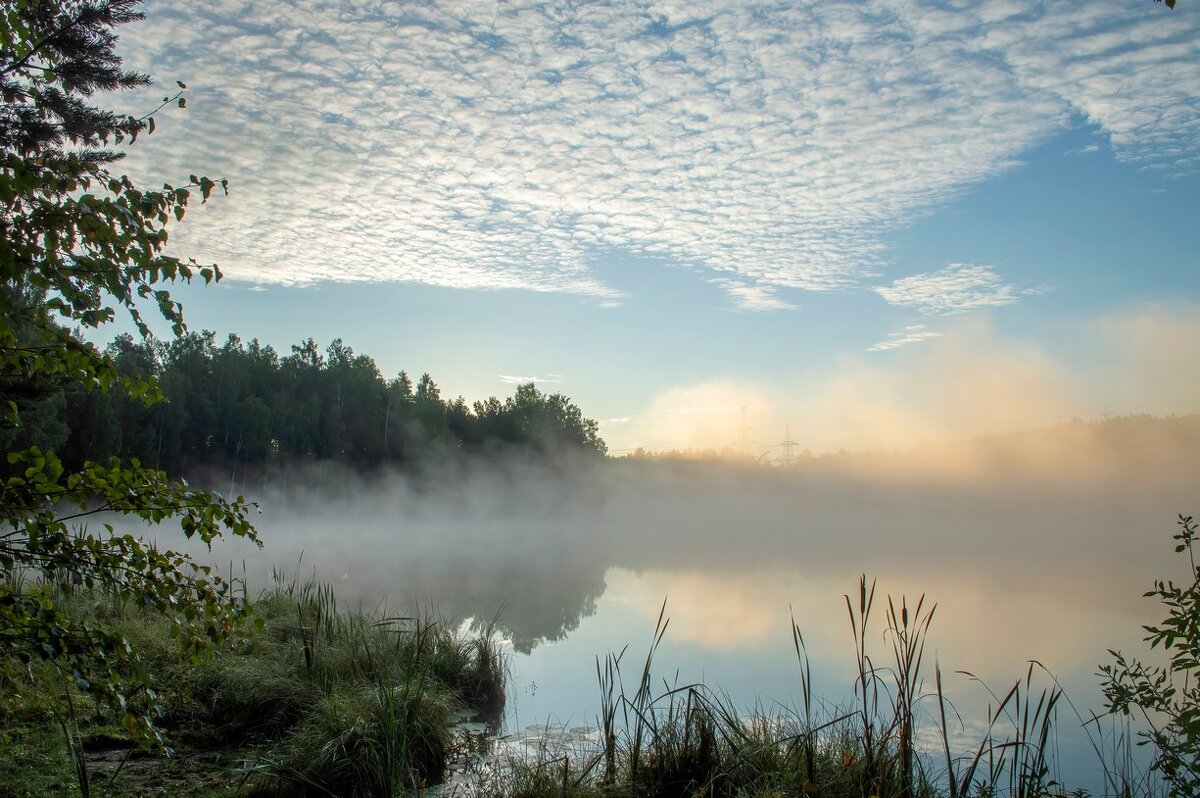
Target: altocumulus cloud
(958,288)
(517,379)
(488,146)
(911,334)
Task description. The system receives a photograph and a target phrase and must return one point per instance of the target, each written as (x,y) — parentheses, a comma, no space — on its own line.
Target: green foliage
(346,704)
(78,240)
(314,701)
(1167,696)
(77,243)
(37,539)
(240,405)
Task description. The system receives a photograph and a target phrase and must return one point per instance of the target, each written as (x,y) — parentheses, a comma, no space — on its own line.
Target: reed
(907,636)
(659,739)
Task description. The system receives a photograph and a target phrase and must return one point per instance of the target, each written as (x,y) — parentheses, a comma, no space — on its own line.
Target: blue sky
(878,222)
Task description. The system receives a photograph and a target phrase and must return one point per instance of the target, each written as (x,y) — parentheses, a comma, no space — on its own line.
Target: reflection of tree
(545,607)
(528,596)
(528,599)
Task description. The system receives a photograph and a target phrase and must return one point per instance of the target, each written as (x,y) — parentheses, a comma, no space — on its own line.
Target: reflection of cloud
(912,334)
(715,610)
(958,288)
(747,608)
(768,146)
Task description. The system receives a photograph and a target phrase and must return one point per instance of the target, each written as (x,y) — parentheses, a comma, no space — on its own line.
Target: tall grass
(379,692)
(318,700)
(670,740)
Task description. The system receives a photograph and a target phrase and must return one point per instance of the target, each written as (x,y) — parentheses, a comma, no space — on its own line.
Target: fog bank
(1079,514)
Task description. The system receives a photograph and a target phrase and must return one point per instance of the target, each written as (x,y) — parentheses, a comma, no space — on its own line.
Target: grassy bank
(313,700)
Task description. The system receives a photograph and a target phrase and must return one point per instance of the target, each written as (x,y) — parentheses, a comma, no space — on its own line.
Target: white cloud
(971,381)
(1152,356)
(515,379)
(911,334)
(749,296)
(476,145)
(720,414)
(958,288)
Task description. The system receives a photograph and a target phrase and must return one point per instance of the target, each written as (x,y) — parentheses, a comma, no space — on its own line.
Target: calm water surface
(1033,552)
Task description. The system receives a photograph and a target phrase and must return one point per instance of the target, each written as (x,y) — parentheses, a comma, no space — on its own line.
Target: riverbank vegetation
(311,700)
(98,625)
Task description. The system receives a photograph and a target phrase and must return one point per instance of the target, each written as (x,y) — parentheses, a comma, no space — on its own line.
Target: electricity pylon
(787,444)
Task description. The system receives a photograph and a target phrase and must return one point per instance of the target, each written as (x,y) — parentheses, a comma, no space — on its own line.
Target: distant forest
(245,405)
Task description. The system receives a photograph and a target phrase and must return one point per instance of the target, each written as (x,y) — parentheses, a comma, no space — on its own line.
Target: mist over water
(1035,545)
(1079,515)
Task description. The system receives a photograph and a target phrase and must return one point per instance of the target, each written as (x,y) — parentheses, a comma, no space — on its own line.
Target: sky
(863,224)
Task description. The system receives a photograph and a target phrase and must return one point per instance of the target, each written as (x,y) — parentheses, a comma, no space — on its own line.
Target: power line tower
(787,444)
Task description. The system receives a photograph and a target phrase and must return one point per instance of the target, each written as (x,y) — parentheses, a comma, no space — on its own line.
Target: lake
(1034,547)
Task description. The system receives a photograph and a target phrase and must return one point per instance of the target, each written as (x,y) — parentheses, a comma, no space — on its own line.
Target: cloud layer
(768,146)
(974,380)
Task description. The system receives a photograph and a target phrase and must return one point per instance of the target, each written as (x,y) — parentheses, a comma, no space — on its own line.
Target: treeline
(244,404)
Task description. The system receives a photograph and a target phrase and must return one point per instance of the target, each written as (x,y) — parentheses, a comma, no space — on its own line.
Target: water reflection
(1043,541)
(1034,547)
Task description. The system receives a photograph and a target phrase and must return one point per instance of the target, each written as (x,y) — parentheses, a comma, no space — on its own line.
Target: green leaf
(79,244)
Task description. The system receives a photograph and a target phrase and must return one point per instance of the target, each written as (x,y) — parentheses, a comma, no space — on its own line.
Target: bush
(1167,697)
